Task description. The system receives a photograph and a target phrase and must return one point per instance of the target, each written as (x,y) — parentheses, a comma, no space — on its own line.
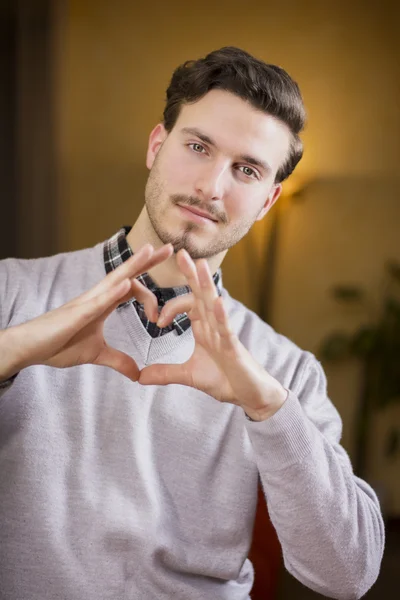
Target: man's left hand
(220,365)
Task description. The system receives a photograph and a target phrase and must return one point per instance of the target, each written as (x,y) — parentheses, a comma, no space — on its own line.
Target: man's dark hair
(266,87)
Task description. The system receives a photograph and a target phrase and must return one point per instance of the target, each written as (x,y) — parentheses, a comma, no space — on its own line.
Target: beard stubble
(187,238)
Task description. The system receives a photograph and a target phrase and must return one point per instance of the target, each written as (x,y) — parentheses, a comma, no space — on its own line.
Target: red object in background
(265,554)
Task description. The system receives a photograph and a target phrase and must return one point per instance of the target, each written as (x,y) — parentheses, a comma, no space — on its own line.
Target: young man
(139,481)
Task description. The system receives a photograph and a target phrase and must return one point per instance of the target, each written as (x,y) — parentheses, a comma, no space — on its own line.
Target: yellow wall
(342,231)
(115,62)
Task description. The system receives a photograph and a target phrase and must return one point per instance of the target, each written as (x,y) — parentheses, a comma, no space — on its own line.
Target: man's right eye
(197,147)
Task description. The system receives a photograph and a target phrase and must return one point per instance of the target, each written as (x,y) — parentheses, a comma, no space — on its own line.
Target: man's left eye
(248,171)
(197,148)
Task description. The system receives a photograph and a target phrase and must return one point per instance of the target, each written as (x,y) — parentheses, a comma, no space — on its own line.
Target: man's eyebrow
(244,157)
(202,136)
(256,162)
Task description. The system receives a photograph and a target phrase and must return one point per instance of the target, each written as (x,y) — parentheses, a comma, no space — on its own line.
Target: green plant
(377,345)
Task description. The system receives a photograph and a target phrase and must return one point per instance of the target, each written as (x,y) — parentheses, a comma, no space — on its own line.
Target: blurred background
(82,84)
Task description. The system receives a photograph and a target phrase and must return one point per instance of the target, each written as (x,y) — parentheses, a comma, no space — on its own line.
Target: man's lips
(197,212)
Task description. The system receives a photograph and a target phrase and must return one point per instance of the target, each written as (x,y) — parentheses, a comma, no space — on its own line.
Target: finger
(206,283)
(147,298)
(120,299)
(158,257)
(53,330)
(164,375)
(174,307)
(228,338)
(127,269)
(208,292)
(101,305)
(119,361)
(143,260)
(143,295)
(188,268)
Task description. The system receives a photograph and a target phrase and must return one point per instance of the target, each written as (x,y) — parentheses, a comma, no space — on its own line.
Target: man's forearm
(327,520)
(9,363)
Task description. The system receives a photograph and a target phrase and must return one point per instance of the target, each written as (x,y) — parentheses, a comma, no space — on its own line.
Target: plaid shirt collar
(116,250)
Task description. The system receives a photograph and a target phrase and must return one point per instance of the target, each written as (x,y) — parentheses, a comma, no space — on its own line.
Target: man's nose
(211,182)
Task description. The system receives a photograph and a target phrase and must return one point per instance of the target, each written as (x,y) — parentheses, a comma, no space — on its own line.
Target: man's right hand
(73,333)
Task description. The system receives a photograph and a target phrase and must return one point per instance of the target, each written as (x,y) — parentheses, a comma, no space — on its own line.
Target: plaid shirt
(116,251)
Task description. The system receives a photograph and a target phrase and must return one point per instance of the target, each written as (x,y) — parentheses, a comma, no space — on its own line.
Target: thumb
(119,361)
(164,375)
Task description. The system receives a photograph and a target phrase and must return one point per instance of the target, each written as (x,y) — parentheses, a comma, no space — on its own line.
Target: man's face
(220,159)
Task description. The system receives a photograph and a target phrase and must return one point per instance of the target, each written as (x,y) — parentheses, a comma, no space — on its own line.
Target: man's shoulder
(75,265)
(36,285)
(272,349)
(30,265)
(246,322)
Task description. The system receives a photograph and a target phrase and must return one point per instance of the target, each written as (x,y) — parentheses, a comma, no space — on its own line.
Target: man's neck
(167,273)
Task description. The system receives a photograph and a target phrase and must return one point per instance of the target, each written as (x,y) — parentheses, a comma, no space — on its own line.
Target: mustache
(193,201)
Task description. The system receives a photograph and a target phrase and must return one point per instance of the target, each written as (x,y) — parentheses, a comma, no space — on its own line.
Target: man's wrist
(8,363)
(271,406)
(5,383)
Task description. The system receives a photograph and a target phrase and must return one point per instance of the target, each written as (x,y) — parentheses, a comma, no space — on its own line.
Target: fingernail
(160,322)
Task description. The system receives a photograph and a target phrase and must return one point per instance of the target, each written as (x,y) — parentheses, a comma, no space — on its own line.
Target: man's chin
(185,240)
(194,250)
(192,239)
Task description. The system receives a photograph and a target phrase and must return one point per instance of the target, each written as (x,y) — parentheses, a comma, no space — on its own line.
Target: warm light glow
(293,186)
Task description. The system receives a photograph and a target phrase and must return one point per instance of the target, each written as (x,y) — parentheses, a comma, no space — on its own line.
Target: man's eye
(197,148)
(248,171)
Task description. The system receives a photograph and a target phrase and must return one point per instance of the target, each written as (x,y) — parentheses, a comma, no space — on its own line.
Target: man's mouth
(196,212)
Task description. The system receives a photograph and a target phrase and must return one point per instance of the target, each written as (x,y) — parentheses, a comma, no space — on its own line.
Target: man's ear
(270,201)
(156,139)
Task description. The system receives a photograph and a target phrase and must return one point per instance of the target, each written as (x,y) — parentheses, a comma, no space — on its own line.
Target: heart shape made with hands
(220,365)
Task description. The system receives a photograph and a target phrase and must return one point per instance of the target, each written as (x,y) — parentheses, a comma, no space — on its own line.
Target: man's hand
(220,365)
(73,334)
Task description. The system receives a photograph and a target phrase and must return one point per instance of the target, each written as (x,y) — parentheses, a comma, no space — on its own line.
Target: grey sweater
(113,490)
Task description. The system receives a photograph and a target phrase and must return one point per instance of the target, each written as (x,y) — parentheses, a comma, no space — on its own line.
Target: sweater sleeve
(5,385)
(328,520)
(10,283)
